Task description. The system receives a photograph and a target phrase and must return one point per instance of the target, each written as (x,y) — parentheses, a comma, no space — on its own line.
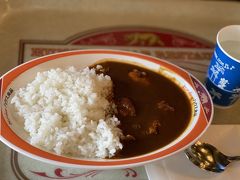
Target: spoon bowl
(208,157)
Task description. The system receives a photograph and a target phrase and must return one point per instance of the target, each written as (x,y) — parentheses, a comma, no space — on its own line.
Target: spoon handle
(234,158)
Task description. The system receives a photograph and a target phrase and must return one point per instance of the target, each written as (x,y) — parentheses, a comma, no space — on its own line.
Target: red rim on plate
(14,141)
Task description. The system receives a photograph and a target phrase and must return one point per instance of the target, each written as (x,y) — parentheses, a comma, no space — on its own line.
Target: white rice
(68,112)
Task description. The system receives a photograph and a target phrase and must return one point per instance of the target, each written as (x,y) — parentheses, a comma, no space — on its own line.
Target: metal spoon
(207,157)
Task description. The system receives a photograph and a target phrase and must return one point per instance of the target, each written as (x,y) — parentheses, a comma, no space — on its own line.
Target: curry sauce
(152,109)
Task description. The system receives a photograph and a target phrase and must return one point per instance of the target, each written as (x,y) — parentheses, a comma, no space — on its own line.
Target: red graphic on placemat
(123,38)
(204,98)
(139,37)
(130,172)
(58,174)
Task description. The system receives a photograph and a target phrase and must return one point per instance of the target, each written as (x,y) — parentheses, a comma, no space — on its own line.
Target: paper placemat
(189,52)
(178,167)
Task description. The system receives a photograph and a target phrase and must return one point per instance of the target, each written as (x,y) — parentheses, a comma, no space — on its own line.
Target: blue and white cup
(221,97)
(223,75)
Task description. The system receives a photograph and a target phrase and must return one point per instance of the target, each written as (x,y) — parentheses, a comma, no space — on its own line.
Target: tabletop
(29,29)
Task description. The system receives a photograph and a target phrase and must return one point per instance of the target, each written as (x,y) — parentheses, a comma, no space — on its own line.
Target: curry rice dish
(109,110)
